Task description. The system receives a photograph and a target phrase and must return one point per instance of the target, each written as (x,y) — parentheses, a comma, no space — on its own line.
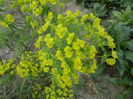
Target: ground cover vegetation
(53,48)
(117,18)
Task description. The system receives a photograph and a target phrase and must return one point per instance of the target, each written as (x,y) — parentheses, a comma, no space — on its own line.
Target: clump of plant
(103,8)
(19,23)
(121,30)
(66,45)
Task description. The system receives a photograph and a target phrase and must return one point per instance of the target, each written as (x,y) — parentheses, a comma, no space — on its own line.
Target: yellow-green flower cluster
(53,92)
(7,66)
(34,6)
(69,47)
(98,34)
(8,19)
(27,66)
(34,24)
(60,30)
(44,27)
(32,11)
(49,41)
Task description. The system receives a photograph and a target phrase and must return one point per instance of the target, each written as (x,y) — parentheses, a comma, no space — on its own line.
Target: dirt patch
(73,7)
(99,88)
(6,53)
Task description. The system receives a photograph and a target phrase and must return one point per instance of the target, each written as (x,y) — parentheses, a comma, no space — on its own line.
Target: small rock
(7,51)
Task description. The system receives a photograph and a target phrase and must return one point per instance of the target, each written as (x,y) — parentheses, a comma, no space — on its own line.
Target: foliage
(120,28)
(103,8)
(118,19)
(122,32)
(65,46)
(21,21)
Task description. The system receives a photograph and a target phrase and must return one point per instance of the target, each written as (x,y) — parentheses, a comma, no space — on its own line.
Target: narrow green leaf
(129,92)
(117,81)
(130,44)
(117,14)
(129,55)
(123,65)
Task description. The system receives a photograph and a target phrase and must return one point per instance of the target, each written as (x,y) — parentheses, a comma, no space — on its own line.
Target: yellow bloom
(50,62)
(78,44)
(92,52)
(65,67)
(81,43)
(28,18)
(111,43)
(47,37)
(12,72)
(114,54)
(96,22)
(40,30)
(4,24)
(22,72)
(54,71)
(53,2)
(68,52)
(37,11)
(77,13)
(78,64)
(91,16)
(60,30)
(59,92)
(102,31)
(50,16)
(67,80)
(34,24)
(45,27)
(92,67)
(38,42)
(60,16)
(62,5)
(49,41)
(24,8)
(47,89)
(110,61)
(69,13)
(75,77)
(64,64)
(34,4)
(45,69)
(43,2)
(84,17)
(80,54)
(70,38)
(71,95)
(9,18)
(59,55)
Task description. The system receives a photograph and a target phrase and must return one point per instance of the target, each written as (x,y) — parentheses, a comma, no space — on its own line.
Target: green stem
(8,45)
(5,91)
(83,3)
(22,86)
(29,88)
